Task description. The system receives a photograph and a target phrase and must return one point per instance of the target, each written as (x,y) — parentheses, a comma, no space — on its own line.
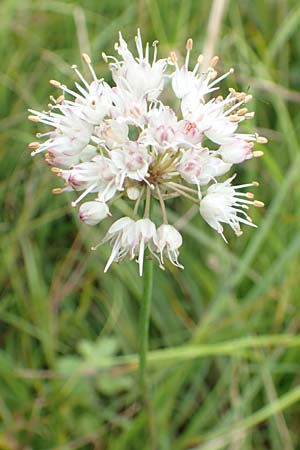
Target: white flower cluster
(107,142)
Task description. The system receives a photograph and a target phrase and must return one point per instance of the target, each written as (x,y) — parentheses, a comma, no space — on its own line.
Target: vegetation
(224,360)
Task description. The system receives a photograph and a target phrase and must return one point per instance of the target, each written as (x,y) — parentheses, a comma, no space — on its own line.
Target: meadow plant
(124,141)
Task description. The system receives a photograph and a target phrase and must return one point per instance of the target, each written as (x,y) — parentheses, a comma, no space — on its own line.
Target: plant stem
(143,349)
(144,319)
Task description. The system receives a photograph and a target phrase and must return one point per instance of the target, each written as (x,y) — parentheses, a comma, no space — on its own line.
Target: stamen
(248,98)
(88,61)
(57,191)
(258,204)
(33,118)
(214,61)
(230,71)
(55,83)
(261,140)
(80,76)
(242,111)
(257,154)
(154,44)
(162,205)
(84,194)
(56,170)
(86,58)
(174,58)
(189,47)
(60,99)
(34,145)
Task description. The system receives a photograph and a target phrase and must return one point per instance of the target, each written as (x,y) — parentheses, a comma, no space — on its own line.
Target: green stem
(143,349)
(144,319)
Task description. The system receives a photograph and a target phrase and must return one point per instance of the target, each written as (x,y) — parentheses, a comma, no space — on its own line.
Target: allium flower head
(108,142)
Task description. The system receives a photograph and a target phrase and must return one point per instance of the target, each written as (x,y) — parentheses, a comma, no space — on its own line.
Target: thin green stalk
(144,320)
(143,348)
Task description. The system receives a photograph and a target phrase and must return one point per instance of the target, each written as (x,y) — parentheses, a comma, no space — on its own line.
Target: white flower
(95,102)
(192,84)
(189,133)
(199,166)
(121,237)
(132,161)
(122,142)
(128,109)
(236,151)
(168,241)
(111,133)
(69,137)
(145,232)
(223,204)
(129,238)
(211,118)
(98,175)
(93,212)
(138,76)
(161,130)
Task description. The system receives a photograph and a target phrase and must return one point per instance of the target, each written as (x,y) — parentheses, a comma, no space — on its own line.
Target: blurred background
(228,374)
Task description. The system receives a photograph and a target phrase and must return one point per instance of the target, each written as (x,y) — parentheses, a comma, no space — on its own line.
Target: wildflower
(236,151)
(224,204)
(138,76)
(128,237)
(107,142)
(168,241)
(199,166)
(93,212)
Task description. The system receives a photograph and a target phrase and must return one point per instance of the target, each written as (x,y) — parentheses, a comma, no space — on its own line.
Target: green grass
(224,361)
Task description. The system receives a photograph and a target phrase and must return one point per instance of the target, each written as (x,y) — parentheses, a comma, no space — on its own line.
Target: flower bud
(236,151)
(93,212)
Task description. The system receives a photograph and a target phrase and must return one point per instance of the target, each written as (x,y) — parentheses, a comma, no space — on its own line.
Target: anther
(261,140)
(255,183)
(258,204)
(242,111)
(86,58)
(249,195)
(250,115)
(257,154)
(34,145)
(189,44)
(55,169)
(33,118)
(60,99)
(55,83)
(200,59)
(57,191)
(173,57)
(248,98)
(104,56)
(234,118)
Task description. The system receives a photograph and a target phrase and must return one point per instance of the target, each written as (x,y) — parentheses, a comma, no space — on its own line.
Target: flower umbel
(108,142)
